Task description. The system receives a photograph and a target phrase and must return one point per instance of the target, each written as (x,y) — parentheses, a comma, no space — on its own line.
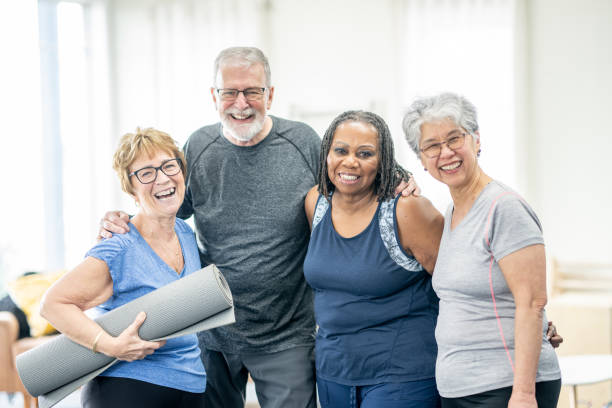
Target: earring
(478,153)
(425,168)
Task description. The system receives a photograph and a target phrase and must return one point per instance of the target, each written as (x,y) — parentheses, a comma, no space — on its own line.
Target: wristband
(95,342)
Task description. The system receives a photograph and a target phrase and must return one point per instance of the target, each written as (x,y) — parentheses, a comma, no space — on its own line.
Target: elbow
(535,305)
(45,307)
(538,303)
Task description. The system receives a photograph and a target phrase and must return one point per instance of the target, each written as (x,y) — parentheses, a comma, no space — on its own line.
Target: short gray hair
(434,109)
(242,56)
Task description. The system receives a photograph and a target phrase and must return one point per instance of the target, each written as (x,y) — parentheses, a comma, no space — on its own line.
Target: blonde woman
(158,249)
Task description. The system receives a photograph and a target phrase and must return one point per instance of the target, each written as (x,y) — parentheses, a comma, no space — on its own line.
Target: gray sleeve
(186,209)
(514,225)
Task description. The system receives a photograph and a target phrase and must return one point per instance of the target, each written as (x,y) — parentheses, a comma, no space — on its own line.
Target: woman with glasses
(490,274)
(369,262)
(158,249)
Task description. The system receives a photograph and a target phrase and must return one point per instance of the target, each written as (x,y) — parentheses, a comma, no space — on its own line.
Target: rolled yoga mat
(199,301)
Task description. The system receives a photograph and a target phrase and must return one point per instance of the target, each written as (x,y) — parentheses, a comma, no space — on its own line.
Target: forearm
(528,340)
(70,320)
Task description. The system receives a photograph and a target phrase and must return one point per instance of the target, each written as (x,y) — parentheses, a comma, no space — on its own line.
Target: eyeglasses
(250,94)
(148,174)
(435,149)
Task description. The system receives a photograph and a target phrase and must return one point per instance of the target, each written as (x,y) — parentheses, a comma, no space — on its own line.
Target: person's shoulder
(294,130)
(312,196)
(203,136)
(116,244)
(506,200)
(496,191)
(413,205)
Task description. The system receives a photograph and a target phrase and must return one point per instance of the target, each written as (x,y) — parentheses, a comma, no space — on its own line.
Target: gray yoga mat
(197,302)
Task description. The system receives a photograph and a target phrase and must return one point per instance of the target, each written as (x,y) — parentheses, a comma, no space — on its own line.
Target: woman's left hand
(522,400)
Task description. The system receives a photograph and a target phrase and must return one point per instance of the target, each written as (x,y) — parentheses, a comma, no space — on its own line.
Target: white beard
(245,132)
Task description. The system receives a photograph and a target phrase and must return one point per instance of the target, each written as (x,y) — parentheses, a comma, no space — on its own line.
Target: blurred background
(76,75)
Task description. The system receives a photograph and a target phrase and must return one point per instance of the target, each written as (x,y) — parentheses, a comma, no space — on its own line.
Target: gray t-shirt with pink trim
(472,357)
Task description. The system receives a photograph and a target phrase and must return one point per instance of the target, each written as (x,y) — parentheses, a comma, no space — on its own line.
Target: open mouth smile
(165,194)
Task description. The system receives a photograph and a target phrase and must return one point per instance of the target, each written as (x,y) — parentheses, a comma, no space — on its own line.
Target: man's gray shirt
(248,203)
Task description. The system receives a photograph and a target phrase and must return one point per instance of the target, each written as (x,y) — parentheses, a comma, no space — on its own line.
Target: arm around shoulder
(420,227)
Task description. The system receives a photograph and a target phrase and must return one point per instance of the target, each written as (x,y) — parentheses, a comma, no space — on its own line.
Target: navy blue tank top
(374,305)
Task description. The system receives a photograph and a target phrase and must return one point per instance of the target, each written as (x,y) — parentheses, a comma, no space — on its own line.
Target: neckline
(362,232)
(168,267)
(470,211)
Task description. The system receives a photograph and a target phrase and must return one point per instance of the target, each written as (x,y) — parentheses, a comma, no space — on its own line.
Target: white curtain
(21,206)
(148,63)
(121,64)
(467,47)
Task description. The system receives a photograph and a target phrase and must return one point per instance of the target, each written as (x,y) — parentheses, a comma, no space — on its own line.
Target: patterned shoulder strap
(389,238)
(320,210)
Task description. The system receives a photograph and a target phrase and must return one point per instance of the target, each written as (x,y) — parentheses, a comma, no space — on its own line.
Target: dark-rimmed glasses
(250,94)
(456,141)
(148,174)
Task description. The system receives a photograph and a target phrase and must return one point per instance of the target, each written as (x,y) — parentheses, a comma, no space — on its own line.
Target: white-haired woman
(490,274)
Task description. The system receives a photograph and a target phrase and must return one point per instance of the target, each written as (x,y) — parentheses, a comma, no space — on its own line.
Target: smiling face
(353,159)
(242,120)
(455,168)
(164,196)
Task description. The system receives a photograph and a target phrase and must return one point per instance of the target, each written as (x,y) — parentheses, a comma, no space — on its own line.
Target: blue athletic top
(137,270)
(374,304)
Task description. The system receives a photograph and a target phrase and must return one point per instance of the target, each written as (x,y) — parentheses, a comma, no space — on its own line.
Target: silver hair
(242,56)
(434,109)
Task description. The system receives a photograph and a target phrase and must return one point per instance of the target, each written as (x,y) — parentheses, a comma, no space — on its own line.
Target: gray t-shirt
(248,204)
(471,354)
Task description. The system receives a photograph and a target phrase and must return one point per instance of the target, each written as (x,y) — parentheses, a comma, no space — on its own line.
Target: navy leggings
(118,392)
(547,395)
(410,394)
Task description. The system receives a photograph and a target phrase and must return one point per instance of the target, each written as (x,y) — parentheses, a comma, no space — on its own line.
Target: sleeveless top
(374,305)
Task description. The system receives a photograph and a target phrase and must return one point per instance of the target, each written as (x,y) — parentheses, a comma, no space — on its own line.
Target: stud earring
(478,153)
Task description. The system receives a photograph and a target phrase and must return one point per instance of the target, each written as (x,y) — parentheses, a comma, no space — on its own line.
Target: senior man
(246,182)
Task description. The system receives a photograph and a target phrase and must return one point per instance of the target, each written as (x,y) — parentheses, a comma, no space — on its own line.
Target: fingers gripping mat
(197,302)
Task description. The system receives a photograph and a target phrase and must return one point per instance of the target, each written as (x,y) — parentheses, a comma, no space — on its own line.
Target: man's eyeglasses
(435,149)
(250,94)
(148,174)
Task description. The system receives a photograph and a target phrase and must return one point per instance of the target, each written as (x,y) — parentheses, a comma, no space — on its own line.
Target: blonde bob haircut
(144,143)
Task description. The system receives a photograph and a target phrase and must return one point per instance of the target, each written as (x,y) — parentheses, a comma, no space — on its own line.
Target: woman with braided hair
(369,262)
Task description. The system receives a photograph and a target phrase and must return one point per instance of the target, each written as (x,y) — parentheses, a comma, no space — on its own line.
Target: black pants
(547,395)
(116,392)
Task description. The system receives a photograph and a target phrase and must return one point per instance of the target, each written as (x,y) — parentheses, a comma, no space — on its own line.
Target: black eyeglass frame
(157,169)
(255,97)
(461,135)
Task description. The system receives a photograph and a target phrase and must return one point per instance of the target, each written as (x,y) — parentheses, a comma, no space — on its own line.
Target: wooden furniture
(10,381)
(580,305)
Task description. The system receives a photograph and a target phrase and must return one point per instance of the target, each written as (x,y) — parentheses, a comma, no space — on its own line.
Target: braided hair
(389,173)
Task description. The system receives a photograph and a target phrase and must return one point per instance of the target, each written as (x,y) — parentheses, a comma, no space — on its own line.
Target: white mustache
(245,112)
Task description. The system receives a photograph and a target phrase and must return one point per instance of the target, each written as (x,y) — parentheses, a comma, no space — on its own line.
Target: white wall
(569,134)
